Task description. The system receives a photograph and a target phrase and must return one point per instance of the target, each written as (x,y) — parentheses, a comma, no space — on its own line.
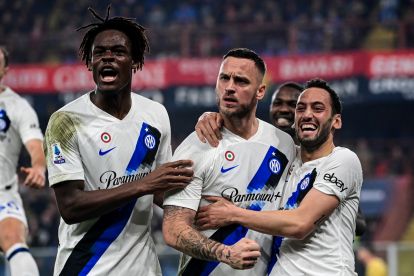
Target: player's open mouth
(108,74)
(308,127)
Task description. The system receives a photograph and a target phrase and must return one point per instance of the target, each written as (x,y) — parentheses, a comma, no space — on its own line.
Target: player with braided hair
(107,157)
(136,32)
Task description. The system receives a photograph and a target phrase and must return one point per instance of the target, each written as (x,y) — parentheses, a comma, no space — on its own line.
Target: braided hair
(128,26)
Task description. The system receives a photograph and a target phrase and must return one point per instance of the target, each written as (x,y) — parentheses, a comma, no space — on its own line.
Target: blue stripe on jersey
(263,173)
(110,233)
(277,242)
(229,235)
(302,188)
(262,177)
(139,152)
(100,236)
(235,236)
(201,267)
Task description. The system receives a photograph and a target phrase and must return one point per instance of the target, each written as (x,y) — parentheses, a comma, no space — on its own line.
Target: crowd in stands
(209,27)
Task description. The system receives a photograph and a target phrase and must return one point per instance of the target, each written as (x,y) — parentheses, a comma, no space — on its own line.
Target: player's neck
(312,154)
(115,104)
(243,127)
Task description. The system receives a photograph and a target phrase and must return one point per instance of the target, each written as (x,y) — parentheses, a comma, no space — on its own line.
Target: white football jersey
(328,250)
(251,173)
(18,124)
(86,143)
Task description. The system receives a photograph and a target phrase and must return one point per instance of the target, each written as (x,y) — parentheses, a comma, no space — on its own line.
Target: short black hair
(248,54)
(128,26)
(6,55)
(291,84)
(336,102)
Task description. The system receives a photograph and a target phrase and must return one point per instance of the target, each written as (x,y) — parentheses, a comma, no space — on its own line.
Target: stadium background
(364,48)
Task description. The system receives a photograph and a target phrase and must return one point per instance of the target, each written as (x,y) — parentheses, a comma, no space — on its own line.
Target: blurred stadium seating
(369,43)
(209,28)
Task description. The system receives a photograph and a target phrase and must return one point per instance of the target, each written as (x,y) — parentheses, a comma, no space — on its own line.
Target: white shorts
(11,206)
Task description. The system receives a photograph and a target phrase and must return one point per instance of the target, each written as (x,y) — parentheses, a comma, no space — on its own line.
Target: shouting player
(106,156)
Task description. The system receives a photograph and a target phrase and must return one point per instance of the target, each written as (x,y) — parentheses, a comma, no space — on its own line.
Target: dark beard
(242,112)
(314,144)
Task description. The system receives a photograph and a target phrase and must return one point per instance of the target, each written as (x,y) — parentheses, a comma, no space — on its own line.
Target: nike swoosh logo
(223,170)
(101,153)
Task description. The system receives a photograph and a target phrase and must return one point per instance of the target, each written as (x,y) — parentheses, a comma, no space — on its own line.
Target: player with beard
(248,167)
(107,158)
(281,114)
(320,200)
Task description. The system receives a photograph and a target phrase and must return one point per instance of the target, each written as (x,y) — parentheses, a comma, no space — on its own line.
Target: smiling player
(320,200)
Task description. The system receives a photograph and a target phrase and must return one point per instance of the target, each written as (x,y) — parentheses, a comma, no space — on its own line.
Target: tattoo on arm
(320,220)
(189,240)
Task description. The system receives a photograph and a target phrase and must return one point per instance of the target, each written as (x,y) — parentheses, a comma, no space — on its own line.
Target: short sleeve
(28,123)
(62,152)
(340,174)
(189,197)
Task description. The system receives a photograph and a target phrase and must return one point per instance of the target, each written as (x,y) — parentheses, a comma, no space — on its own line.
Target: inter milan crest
(305,182)
(150,141)
(274,165)
(4,121)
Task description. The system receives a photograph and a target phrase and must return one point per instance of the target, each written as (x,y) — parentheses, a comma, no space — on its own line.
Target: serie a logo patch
(57,154)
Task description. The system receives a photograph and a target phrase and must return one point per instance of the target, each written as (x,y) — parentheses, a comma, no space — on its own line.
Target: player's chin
(307,135)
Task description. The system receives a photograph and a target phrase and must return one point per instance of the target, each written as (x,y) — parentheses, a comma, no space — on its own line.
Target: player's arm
(296,223)
(179,232)
(76,205)
(208,128)
(35,175)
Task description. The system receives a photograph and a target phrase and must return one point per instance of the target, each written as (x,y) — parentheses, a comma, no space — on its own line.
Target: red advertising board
(159,74)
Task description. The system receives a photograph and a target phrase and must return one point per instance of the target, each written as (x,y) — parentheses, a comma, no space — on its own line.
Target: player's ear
(261,92)
(337,121)
(89,66)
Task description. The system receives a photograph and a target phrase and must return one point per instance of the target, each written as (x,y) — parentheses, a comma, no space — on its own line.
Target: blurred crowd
(210,27)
